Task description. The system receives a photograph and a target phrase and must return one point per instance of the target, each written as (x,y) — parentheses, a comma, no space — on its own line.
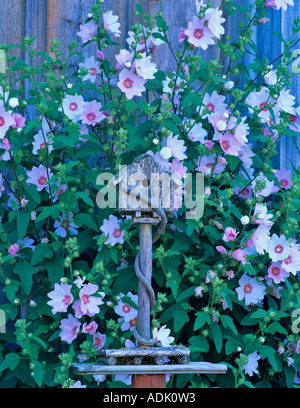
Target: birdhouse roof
(147,165)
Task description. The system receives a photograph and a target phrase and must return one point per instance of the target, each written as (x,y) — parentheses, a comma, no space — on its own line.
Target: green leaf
(25,272)
(227,321)
(31,190)
(52,211)
(217,336)
(85,219)
(269,353)
(276,327)
(41,252)
(259,314)
(38,373)
(180,319)
(201,319)
(23,218)
(54,268)
(40,341)
(84,197)
(173,281)
(186,293)
(11,361)
(199,344)
(30,126)
(10,291)
(233,162)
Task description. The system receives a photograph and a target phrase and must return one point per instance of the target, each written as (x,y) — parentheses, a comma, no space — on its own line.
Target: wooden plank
(288,150)
(12,26)
(64,18)
(191,368)
(35,25)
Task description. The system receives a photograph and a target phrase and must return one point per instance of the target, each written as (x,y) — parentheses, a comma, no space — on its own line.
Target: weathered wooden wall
(59,20)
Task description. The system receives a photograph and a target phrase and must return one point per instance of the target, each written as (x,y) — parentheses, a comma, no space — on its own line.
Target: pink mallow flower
(250,290)
(276,272)
(92,113)
(239,255)
(70,328)
(39,177)
(124,309)
(209,164)
(19,121)
(99,340)
(130,83)
(173,147)
(221,249)
(230,234)
(198,34)
(89,328)
(13,250)
(285,178)
(6,120)
(213,103)
(111,229)
(89,304)
(111,24)
(93,68)
(292,262)
(181,35)
(261,215)
(278,248)
(64,224)
(87,31)
(278,4)
(229,144)
(61,298)
(73,106)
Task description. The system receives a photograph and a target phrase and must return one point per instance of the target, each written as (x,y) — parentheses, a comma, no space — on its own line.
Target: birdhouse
(146,185)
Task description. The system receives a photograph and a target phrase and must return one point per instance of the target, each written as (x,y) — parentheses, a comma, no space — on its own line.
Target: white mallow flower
(245,220)
(162,335)
(296,62)
(111,23)
(285,102)
(221,125)
(73,106)
(250,290)
(79,281)
(13,102)
(197,133)
(145,68)
(271,76)
(252,363)
(166,153)
(215,21)
(229,85)
(278,248)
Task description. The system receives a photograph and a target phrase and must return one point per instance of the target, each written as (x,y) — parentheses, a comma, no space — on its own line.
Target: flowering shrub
(227,284)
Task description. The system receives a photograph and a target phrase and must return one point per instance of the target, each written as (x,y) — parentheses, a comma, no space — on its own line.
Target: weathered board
(60,19)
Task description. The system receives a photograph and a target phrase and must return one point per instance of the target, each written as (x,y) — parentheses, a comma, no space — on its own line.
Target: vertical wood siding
(60,19)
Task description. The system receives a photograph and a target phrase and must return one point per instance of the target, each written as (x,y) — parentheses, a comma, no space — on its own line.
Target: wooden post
(148,381)
(143,320)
